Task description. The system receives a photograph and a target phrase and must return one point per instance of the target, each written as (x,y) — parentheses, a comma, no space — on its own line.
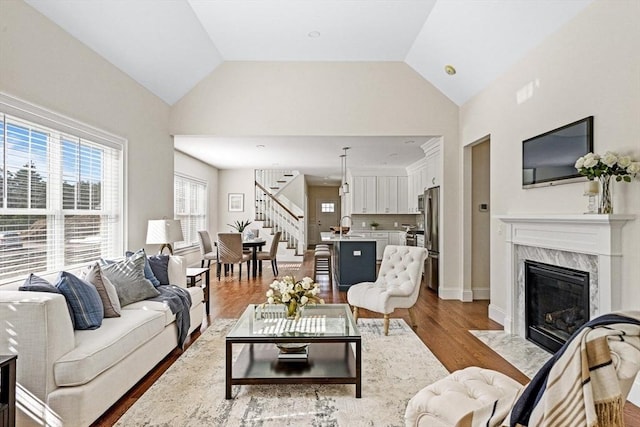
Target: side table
(195,276)
(8,391)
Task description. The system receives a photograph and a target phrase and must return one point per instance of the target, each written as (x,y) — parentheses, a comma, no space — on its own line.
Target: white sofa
(71,377)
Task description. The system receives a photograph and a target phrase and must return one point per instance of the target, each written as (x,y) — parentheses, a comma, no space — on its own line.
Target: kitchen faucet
(350,223)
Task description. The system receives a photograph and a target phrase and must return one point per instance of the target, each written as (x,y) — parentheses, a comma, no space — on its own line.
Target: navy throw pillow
(84,299)
(148,271)
(160,266)
(38,284)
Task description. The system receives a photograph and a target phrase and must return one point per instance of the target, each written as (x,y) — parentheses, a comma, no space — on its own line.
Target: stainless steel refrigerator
(431,236)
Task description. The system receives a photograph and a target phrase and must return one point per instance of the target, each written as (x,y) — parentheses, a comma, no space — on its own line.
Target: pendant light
(345,185)
(340,193)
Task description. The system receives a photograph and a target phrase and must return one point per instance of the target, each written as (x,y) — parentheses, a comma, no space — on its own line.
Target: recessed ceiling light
(393,154)
(314,34)
(449,69)
(260,146)
(411,141)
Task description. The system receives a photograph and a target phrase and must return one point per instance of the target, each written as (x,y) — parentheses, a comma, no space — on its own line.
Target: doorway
(325,212)
(477,221)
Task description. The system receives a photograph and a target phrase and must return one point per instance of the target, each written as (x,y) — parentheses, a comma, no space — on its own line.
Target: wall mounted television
(549,158)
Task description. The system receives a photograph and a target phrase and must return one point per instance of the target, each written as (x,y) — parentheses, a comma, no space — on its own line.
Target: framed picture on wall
(236,202)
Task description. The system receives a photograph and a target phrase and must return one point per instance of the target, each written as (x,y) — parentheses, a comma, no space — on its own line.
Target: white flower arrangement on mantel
(602,168)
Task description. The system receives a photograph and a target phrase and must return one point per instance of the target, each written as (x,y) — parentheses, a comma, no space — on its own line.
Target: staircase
(278,213)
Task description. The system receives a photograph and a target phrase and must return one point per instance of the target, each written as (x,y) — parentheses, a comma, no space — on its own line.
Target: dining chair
(272,253)
(397,284)
(207,251)
(230,252)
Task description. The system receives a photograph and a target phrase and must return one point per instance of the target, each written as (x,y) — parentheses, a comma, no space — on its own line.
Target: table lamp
(164,232)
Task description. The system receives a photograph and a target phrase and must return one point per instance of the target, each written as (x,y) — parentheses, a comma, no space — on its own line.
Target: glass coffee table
(323,346)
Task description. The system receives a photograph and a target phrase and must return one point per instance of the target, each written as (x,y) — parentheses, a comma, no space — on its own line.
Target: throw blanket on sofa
(179,301)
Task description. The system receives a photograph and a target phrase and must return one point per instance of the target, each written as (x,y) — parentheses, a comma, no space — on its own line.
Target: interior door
(326,215)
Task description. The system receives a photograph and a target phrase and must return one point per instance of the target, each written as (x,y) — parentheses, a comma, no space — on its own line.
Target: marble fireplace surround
(591,243)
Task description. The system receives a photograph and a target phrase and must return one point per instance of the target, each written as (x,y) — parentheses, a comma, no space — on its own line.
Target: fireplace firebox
(556,303)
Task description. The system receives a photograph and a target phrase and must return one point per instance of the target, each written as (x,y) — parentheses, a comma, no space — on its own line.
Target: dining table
(256,245)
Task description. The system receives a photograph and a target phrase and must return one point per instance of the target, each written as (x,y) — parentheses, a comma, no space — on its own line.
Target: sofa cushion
(106,290)
(195,292)
(128,278)
(148,271)
(84,300)
(96,351)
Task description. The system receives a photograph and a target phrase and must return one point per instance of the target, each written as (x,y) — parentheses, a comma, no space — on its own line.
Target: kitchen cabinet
(381,238)
(403,194)
(387,195)
(353,262)
(363,194)
(379,195)
(416,187)
(432,167)
(397,237)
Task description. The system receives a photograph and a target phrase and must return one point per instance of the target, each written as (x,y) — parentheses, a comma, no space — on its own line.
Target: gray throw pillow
(106,290)
(84,299)
(148,271)
(128,278)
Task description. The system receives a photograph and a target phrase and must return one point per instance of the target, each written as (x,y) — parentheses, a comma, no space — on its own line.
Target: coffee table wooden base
(329,362)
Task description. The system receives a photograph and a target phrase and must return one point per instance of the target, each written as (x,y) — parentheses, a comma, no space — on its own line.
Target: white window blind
(61,203)
(190,204)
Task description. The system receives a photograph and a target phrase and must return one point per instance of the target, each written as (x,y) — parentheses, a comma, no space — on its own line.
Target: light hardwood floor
(442,325)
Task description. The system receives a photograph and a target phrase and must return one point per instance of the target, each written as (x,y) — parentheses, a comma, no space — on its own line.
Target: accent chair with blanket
(586,383)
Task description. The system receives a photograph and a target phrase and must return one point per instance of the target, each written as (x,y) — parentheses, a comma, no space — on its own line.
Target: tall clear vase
(606,198)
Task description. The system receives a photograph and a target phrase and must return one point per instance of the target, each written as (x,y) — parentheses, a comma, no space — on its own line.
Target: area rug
(523,354)
(191,391)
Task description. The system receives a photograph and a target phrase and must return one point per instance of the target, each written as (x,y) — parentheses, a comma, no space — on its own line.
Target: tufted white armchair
(397,284)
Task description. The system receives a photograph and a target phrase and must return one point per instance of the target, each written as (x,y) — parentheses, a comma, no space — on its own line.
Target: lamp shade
(161,231)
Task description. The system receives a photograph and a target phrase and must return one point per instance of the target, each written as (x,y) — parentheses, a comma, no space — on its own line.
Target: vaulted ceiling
(168,46)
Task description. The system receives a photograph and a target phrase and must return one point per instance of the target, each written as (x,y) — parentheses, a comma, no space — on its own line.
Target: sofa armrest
(177,271)
(37,327)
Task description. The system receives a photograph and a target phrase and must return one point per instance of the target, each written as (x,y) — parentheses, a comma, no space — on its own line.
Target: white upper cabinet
(403,194)
(415,186)
(363,195)
(433,160)
(387,195)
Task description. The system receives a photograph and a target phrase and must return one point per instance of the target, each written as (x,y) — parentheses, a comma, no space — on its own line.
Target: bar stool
(322,264)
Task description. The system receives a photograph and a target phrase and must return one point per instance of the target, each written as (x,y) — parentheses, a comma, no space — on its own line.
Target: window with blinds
(190,204)
(60,199)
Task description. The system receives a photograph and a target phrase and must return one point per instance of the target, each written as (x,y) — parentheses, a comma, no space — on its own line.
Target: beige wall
(42,64)
(235,181)
(481,221)
(589,67)
(331,98)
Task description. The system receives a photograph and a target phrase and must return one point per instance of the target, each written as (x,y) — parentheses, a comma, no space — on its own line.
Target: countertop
(350,237)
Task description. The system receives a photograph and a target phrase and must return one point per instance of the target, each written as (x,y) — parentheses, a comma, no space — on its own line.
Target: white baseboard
(481,293)
(497,314)
(450,294)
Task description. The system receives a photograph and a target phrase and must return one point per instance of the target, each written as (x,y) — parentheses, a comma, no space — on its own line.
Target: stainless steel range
(414,238)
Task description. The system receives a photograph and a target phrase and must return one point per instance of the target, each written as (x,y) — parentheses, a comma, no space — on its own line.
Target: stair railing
(279,217)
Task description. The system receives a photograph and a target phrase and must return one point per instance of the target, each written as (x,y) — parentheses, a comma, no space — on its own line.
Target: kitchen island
(354,258)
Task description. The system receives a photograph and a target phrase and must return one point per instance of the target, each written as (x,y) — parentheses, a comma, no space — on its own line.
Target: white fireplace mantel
(598,235)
